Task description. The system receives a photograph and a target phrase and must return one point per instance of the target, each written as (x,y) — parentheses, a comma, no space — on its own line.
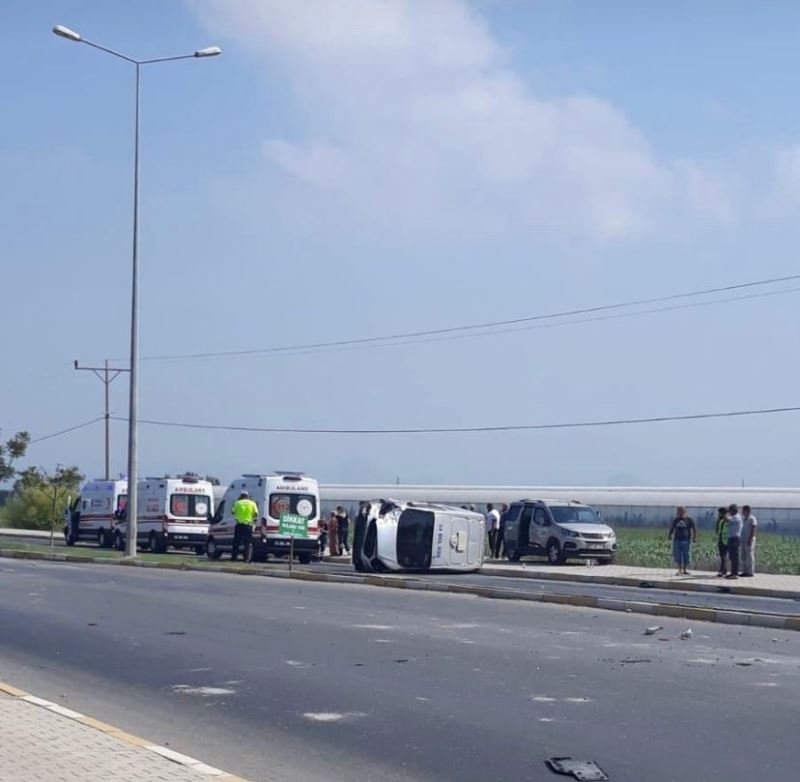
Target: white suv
(559,530)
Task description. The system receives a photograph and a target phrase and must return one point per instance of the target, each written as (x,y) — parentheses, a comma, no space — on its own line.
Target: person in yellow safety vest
(245,511)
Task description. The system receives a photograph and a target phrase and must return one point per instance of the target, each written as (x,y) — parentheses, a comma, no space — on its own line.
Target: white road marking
(297,664)
(333,716)
(372,627)
(203,692)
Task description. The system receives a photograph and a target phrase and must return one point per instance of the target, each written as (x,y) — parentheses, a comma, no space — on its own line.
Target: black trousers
(492,541)
(722,548)
(734,544)
(499,543)
(343,530)
(242,535)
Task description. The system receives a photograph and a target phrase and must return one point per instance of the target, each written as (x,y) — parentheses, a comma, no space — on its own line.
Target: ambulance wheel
(305,559)
(157,544)
(104,539)
(199,550)
(513,554)
(119,541)
(212,552)
(555,556)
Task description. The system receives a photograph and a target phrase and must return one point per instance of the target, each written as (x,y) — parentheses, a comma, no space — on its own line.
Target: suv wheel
(555,556)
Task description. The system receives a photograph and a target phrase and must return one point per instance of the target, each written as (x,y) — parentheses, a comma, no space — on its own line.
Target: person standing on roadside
(344,530)
(333,535)
(721,533)
(734,539)
(492,526)
(682,533)
(749,524)
(500,540)
(245,511)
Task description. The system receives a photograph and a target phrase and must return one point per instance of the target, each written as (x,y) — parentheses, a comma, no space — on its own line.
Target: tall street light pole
(133,411)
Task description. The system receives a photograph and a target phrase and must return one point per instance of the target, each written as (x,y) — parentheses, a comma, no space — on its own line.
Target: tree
(36,493)
(11,451)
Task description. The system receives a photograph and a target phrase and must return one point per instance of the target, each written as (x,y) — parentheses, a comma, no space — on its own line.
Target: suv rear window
(190,505)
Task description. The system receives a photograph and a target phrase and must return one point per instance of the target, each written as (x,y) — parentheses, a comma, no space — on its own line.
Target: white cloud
(414,113)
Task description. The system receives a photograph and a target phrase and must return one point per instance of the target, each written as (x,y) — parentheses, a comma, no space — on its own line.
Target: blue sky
(363,167)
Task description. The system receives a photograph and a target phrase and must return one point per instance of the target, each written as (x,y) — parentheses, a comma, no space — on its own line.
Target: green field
(650,548)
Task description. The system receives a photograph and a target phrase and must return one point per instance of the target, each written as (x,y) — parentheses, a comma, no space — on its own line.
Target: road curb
(646,583)
(693,613)
(121,735)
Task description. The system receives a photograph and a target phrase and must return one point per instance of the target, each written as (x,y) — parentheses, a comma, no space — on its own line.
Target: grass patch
(650,548)
(94,552)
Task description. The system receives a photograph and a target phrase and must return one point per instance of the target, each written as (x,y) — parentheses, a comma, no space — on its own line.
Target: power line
(65,431)
(530,327)
(473,429)
(476,327)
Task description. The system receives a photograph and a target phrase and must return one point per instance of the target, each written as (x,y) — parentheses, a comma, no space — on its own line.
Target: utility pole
(107,376)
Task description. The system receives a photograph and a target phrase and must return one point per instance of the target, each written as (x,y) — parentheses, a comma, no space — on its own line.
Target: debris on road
(686,634)
(584,770)
(653,629)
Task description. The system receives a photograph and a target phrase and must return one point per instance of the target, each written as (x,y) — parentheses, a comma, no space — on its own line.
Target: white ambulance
(171,512)
(288,511)
(417,536)
(95,513)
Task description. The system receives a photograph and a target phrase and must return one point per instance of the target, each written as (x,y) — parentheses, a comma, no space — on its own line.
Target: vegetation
(11,451)
(38,498)
(650,548)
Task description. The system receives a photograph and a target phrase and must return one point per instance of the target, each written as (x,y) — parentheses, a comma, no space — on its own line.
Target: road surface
(280,680)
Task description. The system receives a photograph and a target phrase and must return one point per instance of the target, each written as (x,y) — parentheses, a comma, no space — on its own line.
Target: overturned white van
(417,536)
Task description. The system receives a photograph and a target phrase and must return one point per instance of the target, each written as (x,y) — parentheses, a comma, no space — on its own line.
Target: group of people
(335,533)
(735,535)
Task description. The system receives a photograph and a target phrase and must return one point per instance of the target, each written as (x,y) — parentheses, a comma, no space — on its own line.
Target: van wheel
(555,556)
(104,539)
(212,552)
(157,545)
(119,541)
(305,559)
(513,554)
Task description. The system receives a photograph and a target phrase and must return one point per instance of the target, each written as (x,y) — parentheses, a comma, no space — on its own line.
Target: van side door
(539,527)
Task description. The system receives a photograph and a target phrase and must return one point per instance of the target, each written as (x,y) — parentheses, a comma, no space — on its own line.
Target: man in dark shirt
(682,533)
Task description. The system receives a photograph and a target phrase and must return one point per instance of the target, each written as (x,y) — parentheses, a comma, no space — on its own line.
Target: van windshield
(564,514)
(190,505)
(302,504)
(415,539)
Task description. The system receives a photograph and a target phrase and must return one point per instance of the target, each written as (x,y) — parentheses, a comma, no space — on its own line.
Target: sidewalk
(45,742)
(761,584)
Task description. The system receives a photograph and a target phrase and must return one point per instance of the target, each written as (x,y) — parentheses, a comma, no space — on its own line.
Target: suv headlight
(571,534)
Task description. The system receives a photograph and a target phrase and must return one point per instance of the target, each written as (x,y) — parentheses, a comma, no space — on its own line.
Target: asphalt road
(336,682)
(525,583)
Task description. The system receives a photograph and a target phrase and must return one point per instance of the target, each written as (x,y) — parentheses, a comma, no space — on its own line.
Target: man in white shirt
(492,527)
(749,524)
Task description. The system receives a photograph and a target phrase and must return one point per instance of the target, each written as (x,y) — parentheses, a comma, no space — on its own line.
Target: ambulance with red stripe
(171,513)
(288,516)
(95,513)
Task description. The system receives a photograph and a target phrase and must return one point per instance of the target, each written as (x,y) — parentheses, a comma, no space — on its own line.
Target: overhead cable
(477,327)
(65,431)
(470,429)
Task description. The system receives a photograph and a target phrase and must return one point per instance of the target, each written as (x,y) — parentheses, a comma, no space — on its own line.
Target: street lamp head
(65,32)
(209,51)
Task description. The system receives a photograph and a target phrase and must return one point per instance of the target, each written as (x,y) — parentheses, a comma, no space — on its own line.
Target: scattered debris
(92,624)
(401,660)
(176,632)
(631,660)
(745,663)
(686,634)
(653,629)
(333,716)
(584,770)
